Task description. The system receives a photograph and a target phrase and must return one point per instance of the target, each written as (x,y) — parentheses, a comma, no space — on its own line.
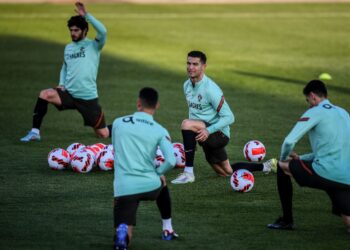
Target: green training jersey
(81,59)
(328,127)
(135,139)
(206,102)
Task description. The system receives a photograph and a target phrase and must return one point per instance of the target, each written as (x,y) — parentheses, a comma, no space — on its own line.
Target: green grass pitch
(261,56)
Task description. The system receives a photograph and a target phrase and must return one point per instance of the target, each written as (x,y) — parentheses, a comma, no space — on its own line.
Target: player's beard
(77,39)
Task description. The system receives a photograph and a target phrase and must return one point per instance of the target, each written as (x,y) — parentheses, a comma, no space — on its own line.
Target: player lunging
(327,167)
(77,87)
(135,139)
(208,123)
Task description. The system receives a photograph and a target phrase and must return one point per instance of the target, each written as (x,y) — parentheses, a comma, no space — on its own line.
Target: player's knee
(47,94)
(102,133)
(228,171)
(186,124)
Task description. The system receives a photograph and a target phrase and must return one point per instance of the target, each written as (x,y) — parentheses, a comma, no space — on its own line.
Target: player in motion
(208,123)
(135,139)
(77,87)
(327,167)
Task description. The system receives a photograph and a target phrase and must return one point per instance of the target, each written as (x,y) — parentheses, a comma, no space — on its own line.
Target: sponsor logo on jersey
(200,97)
(79,54)
(144,121)
(195,105)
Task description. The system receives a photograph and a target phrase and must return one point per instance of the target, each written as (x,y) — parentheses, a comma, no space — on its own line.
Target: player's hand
(61,87)
(294,155)
(202,135)
(80,8)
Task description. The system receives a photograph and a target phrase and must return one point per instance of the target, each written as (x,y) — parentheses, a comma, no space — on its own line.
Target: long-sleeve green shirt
(81,60)
(328,127)
(135,139)
(206,102)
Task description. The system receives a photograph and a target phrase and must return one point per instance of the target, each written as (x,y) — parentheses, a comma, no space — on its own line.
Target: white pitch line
(213,15)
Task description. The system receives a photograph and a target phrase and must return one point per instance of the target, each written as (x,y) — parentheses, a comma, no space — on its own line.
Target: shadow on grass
(288,80)
(69,209)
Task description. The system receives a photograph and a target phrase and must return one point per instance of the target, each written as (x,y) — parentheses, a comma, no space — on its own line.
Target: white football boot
(184,178)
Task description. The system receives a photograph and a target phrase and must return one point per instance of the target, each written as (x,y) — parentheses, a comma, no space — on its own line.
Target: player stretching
(135,139)
(208,123)
(77,87)
(327,167)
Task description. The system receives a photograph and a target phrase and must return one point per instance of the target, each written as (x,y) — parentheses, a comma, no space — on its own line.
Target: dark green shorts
(125,207)
(339,193)
(89,109)
(214,147)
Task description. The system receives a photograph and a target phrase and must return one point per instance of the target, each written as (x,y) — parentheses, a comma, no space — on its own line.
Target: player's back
(331,138)
(135,140)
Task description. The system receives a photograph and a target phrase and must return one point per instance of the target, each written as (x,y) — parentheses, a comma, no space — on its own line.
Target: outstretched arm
(98,26)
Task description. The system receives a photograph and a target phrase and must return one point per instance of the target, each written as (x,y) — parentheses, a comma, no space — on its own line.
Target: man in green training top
(209,123)
(77,87)
(209,120)
(135,140)
(327,167)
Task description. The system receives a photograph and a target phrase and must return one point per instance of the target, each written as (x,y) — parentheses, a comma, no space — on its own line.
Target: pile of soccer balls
(82,158)
(179,153)
(242,180)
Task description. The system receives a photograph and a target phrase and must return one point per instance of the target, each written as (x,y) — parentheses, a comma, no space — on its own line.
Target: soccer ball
(159,159)
(95,150)
(98,147)
(74,147)
(254,151)
(82,161)
(105,160)
(242,180)
(109,147)
(180,156)
(58,159)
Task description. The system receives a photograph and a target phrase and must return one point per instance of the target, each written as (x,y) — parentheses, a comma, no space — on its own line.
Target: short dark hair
(78,21)
(198,54)
(148,97)
(317,87)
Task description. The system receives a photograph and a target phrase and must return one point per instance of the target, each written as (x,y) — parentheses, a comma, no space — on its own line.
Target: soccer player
(135,139)
(327,167)
(208,123)
(77,87)
(209,120)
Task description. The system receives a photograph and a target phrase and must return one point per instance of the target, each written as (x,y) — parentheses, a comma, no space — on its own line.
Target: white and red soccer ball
(105,160)
(180,156)
(242,180)
(58,159)
(74,147)
(254,151)
(159,158)
(82,161)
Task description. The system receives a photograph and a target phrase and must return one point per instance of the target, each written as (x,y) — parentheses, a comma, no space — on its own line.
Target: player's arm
(168,151)
(218,102)
(307,157)
(63,74)
(98,26)
(306,122)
